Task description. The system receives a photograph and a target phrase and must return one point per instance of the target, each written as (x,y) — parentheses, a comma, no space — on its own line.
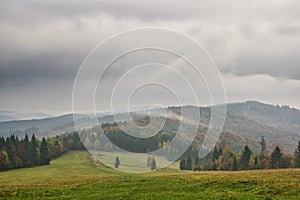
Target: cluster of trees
(15,153)
(18,153)
(95,139)
(223,159)
(134,144)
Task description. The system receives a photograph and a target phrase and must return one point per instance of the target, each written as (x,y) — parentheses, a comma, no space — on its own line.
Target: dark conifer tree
(189,163)
(148,164)
(245,158)
(36,154)
(276,157)
(45,155)
(215,154)
(27,152)
(10,148)
(182,164)
(235,166)
(117,162)
(297,159)
(263,144)
(2,142)
(197,164)
(153,164)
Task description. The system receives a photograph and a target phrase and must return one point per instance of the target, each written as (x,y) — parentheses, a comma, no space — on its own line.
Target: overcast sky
(255,44)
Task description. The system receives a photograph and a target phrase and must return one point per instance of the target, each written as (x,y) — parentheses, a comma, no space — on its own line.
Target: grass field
(132,162)
(75,176)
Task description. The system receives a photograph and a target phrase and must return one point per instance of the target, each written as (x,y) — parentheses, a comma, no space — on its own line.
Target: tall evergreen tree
(45,155)
(153,164)
(10,148)
(263,144)
(2,142)
(197,164)
(182,164)
(245,158)
(117,162)
(276,157)
(297,159)
(27,152)
(149,160)
(189,163)
(215,155)
(36,154)
(234,164)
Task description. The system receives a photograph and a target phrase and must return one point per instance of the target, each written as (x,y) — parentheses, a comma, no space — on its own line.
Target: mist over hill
(245,123)
(8,115)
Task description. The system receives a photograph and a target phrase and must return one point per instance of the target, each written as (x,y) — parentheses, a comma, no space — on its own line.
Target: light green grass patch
(76,176)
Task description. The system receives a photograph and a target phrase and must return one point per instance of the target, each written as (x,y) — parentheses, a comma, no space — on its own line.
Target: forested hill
(281,117)
(245,122)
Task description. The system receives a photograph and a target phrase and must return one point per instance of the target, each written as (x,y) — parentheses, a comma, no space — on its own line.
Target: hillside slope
(281,117)
(245,123)
(74,176)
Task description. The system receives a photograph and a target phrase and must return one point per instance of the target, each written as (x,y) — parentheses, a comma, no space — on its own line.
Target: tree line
(29,152)
(95,138)
(223,159)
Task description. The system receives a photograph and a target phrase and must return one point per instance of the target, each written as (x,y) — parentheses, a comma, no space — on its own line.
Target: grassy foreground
(75,176)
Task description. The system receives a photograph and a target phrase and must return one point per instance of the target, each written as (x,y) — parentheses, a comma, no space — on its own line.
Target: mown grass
(74,176)
(132,162)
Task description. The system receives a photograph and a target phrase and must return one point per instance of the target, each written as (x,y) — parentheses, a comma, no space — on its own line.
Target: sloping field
(75,176)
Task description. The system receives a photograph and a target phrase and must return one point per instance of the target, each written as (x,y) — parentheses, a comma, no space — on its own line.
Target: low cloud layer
(255,45)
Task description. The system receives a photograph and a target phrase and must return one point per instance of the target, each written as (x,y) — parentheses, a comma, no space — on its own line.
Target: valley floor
(75,176)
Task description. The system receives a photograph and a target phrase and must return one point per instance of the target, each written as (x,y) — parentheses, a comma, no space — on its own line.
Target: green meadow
(75,175)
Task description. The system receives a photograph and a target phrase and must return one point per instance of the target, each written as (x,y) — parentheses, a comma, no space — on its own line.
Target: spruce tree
(182,164)
(10,148)
(214,156)
(245,158)
(276,157)
(234,164)
(149,159)
(117,162)
(27,152)
(263,144)
(189,163)
(197,164)
(297,160)
(45,155)
(36,154)
(153,164)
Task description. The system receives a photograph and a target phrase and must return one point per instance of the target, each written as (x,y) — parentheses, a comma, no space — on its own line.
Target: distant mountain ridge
(8,115)
(245,123)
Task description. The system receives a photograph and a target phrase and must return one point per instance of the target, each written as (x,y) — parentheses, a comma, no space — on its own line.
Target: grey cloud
(20,72)
(277,66)
(42,43)
(151,10)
